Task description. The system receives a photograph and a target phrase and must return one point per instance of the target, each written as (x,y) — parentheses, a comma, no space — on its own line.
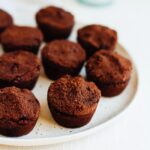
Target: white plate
(47,131)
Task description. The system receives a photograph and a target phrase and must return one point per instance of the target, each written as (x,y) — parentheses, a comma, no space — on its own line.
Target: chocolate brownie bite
(55,23)
(6,20)
(62,57)
(73,101)
(20,69)
(110,72)
(19,111)
(96,37)
(17,38)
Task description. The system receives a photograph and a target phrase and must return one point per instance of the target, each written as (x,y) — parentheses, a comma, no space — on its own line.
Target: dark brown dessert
(110,72)
(55,23)
(97,37)
(73,101)
(19,69)
(19,111)
(21,37)
(62,57)
(5,20)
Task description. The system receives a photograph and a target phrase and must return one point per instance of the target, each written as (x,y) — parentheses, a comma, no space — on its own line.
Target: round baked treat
(73,101)
(110,72)
(5,20)
(97,37)
(54,22)
(20,69)
(19,111)
(21,37)
(62,57)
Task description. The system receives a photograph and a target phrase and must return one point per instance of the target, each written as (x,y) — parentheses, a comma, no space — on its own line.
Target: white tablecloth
(131,18)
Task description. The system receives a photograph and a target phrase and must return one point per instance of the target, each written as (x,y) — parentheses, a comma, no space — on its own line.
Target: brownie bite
(16,38)
(55,23)
(73,101)
(62,57)
(5,20)
(110,72)
(96,37)
(19,111)
(20,69)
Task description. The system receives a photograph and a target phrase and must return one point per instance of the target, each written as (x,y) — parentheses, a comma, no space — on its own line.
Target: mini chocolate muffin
(73,101)
(21,37)
(97,37)
(20,69)
(54,22)
(19,111)
(110,72)
(5,20)
(62,57)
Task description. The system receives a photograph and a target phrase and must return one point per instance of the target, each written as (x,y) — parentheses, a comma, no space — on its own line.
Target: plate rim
(12,141)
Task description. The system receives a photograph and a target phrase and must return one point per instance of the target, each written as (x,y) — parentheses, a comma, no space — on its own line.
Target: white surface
(130,18)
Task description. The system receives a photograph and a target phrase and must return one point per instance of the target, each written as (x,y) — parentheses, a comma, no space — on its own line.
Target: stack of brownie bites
(72,99)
